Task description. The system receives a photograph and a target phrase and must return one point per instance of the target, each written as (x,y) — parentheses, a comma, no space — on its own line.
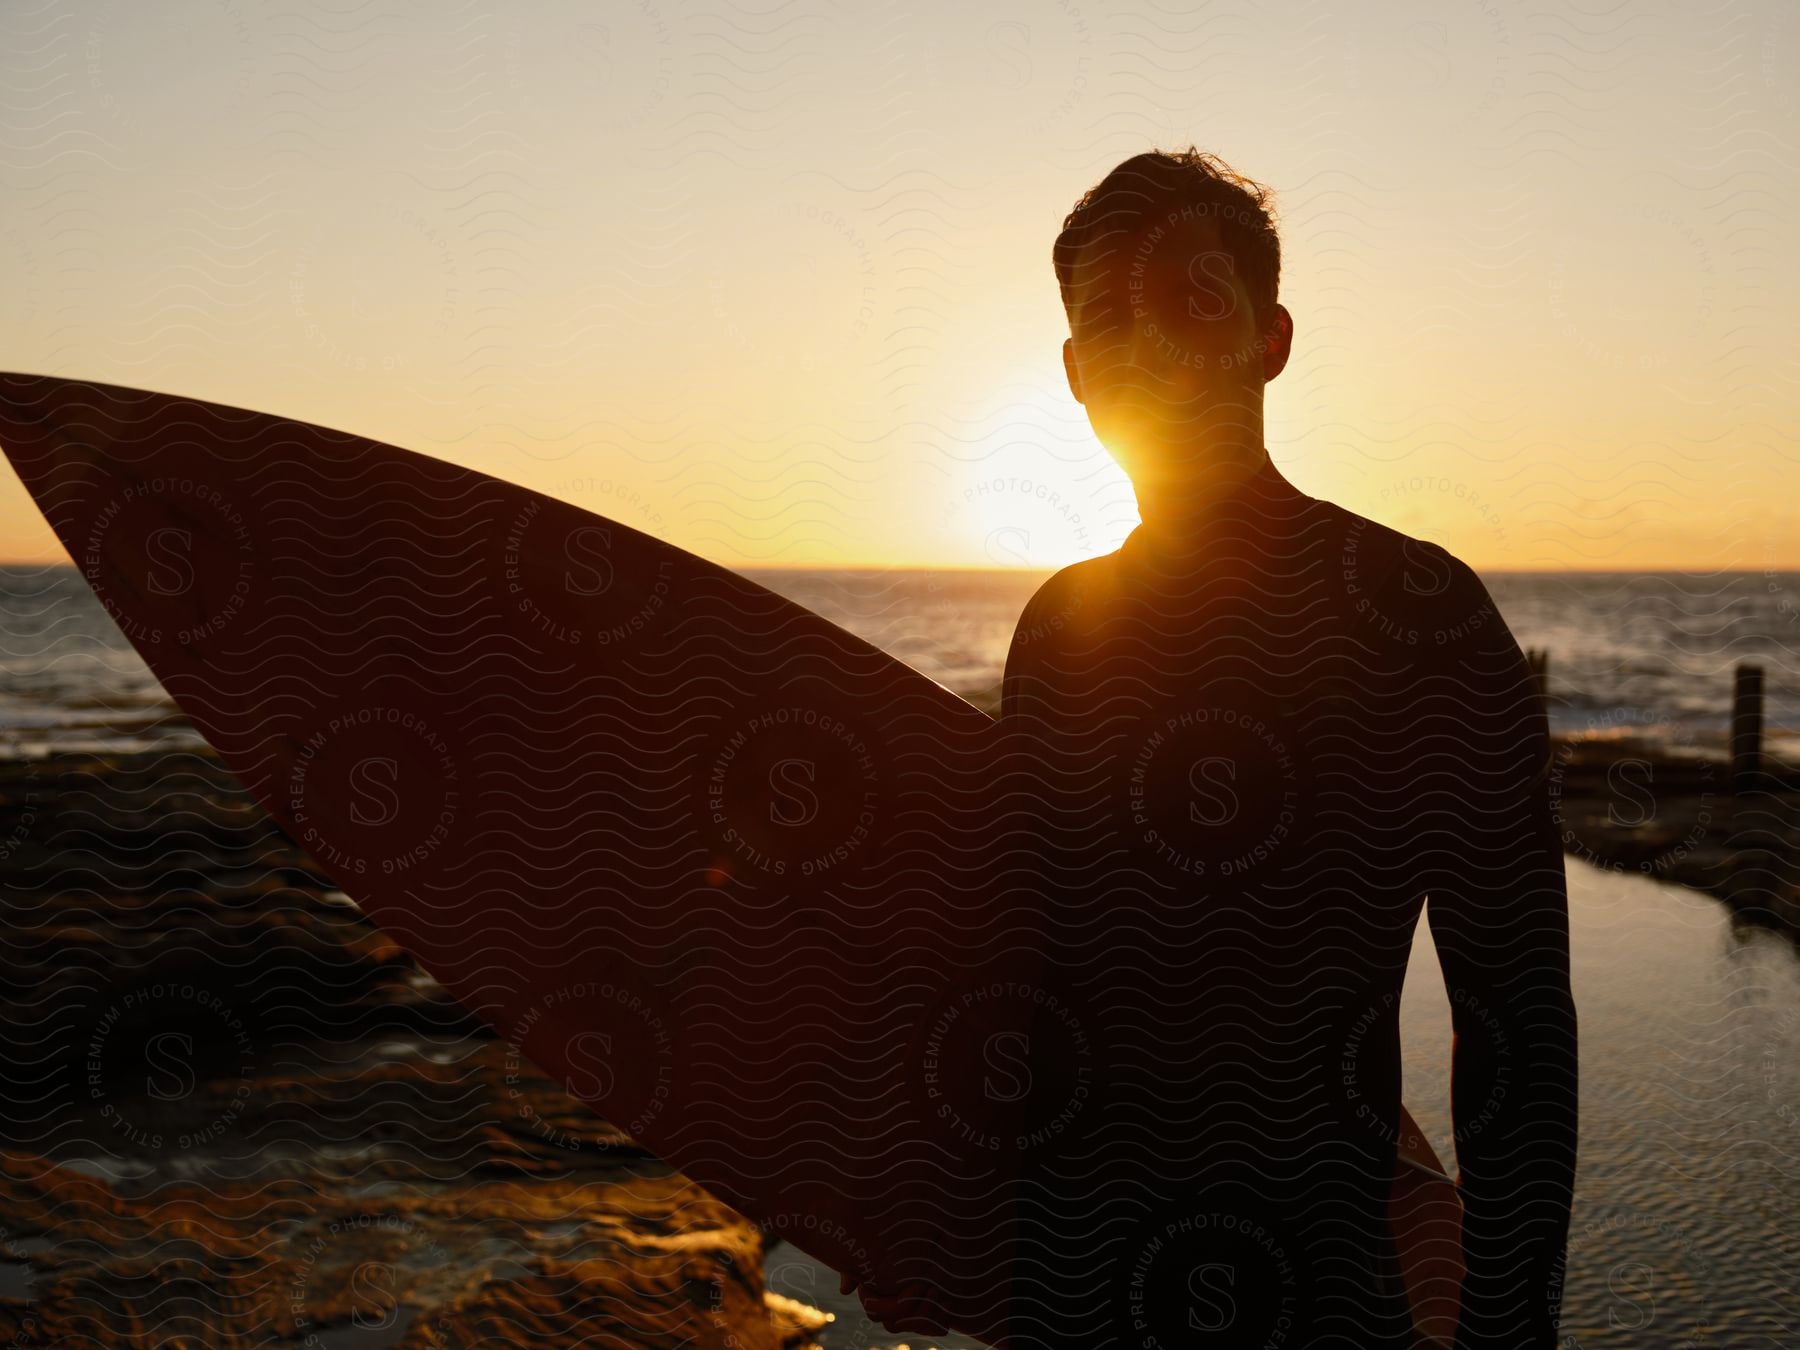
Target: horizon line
(989,568)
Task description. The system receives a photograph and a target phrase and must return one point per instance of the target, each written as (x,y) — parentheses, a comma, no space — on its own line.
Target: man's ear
(1072,370)
(1278,342)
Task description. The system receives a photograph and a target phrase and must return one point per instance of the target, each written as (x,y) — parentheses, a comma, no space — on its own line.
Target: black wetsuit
(1253,764)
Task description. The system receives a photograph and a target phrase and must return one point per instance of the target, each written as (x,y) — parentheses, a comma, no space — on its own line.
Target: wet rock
(236,1114)
(1634,805)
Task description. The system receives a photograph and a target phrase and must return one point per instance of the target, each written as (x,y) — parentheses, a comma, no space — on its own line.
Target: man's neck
(1179,517)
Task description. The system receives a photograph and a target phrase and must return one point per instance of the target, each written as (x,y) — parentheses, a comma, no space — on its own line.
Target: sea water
(1640,653)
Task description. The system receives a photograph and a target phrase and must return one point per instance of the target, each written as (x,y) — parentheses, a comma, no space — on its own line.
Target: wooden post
(1746,728)
(1538,658)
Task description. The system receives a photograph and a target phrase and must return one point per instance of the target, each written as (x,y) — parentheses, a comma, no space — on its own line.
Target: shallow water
(1686,1228)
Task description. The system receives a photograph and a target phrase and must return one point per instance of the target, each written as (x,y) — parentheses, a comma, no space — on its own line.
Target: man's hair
(1155,187)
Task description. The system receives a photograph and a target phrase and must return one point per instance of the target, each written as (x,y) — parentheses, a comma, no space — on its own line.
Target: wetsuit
(1254,762)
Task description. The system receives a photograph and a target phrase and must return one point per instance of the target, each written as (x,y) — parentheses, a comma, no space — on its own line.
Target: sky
(772,280)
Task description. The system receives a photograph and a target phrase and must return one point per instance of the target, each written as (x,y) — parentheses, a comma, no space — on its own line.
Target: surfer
(1140,1045)
(1271,733)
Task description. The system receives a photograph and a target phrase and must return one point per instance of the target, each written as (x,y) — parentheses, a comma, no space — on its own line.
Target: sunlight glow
(1037,490)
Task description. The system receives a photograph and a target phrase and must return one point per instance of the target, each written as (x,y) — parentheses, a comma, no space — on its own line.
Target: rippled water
(1647,652)
(1686,1228)
(1651,653)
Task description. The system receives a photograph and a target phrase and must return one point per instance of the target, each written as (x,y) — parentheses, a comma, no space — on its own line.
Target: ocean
(1644,654)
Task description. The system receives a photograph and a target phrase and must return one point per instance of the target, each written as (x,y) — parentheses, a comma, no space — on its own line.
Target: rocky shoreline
(1629,805)
(237,1115)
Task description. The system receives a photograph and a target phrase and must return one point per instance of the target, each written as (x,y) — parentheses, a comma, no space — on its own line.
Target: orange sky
(776,286)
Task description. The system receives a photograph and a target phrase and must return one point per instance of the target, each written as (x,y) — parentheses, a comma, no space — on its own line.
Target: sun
(1032,487)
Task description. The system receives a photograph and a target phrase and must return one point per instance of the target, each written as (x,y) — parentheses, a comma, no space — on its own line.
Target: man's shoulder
(1062,603)
(1424,590)
(1070,585)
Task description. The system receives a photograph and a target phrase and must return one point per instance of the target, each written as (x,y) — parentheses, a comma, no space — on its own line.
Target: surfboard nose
(50,423)
(141,490)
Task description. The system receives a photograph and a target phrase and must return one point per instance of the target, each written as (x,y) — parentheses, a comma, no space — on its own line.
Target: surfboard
(743,882)
(1426,1215)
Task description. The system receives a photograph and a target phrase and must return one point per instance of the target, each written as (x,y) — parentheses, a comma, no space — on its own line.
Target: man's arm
(1045,613)
(1498,910)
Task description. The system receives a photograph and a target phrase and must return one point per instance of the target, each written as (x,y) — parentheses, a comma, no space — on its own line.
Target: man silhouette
(1267,731)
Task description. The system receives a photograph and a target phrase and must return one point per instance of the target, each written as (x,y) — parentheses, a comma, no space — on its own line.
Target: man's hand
(913,1309)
